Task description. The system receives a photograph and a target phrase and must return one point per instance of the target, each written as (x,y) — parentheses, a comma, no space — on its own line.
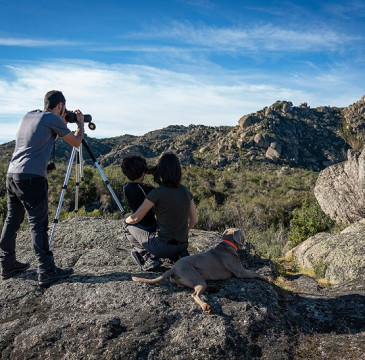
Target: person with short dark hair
(135,168)
(27,187)
(174,209)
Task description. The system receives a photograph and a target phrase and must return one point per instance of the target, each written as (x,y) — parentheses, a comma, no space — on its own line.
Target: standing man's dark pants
(26,193)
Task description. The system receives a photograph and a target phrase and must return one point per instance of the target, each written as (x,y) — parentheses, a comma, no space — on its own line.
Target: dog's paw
(207,309)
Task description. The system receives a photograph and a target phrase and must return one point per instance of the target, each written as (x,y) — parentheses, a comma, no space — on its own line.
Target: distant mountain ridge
(296,136)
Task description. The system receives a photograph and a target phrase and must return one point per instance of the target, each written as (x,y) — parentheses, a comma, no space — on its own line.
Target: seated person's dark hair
(168,171)
(134,167)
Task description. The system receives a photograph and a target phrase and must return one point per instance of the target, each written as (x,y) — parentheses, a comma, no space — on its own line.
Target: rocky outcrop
(354,116)
(99,313)
(338,257)
(308,137)
(340,189)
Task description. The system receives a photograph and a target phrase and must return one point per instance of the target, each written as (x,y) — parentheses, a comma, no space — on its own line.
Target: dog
(218,263)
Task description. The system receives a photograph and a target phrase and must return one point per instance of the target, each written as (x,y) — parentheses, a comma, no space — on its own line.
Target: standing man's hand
(76,139)
(79,118)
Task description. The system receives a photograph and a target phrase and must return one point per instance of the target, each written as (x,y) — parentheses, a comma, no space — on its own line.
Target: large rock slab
(340,189)
(341,256)
(99,313)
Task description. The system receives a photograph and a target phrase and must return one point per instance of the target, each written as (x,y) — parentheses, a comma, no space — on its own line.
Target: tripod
(79,173)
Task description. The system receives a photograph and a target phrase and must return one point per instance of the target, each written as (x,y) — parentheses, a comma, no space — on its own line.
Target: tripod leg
(77,183)
(106,181)
(67,177)
(81,164)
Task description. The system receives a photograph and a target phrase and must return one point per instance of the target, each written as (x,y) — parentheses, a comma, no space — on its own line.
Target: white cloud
(252,38)
(28,42)
(8,131)
(136,99)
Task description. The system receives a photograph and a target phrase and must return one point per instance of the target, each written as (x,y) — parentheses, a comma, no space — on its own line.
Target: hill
(295,136)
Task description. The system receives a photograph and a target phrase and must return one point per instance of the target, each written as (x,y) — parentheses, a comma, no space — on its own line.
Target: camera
(71,118)
(51,167)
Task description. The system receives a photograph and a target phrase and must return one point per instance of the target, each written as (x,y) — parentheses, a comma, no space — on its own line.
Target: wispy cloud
(346,10)
(136,99)
(266,37)
(28,42)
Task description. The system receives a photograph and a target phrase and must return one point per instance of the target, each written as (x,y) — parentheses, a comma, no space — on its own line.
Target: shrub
(320,268)
(308,221)
(3,207)
(355,140)
(81,212)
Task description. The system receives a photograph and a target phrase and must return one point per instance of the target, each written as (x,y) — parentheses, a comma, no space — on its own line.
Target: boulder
(273,152)
(262,140)
(247,120)
(340,257)
(340,189)
(287,107)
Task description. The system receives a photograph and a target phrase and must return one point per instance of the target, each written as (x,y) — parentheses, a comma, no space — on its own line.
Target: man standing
(27,187)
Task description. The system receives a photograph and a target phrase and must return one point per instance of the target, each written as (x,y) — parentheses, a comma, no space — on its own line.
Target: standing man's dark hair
(27,187)
(52,98)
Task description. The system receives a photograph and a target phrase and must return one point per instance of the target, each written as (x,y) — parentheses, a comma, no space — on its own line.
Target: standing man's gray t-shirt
(34,141)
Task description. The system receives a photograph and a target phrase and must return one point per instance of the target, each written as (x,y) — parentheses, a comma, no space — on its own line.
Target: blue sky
(141,65)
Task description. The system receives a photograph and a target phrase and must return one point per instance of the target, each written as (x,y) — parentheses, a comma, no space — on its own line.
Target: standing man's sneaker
(54,274)
(16,268)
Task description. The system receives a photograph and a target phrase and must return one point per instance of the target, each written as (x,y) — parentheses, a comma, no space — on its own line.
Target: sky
(141,65)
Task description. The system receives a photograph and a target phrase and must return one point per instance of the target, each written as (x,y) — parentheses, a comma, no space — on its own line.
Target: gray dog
(218,263)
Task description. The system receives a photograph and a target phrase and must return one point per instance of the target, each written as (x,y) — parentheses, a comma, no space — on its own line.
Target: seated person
(135,168)
(175,212)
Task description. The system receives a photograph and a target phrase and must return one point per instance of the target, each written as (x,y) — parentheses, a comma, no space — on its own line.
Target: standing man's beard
(62,111)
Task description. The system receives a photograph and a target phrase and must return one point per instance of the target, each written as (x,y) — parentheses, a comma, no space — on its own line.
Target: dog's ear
(235,234)
(238,236)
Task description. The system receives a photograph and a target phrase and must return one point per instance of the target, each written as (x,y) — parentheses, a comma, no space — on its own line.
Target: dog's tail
(156,280)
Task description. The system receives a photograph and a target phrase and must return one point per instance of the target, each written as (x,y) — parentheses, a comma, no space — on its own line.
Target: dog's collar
(230,243)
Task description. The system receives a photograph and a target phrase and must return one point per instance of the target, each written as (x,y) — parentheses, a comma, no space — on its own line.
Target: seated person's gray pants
(143,240)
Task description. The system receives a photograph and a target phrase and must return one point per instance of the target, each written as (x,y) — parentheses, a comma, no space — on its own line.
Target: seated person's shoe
(151,263)
(173,260)
(16,268)
(184,253)
(53,274)
(138,258)
(169,260)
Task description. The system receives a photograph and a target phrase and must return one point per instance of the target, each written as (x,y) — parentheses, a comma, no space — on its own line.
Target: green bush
(308,221)
(320,268)
(81,212)
(3,207)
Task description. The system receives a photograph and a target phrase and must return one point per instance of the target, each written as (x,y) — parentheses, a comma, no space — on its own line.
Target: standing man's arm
(75,139)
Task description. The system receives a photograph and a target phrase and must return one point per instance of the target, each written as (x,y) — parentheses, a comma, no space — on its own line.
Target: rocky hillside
(297,136)
(100,313)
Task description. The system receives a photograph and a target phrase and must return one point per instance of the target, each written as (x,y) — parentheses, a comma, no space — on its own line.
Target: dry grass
(289,266)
